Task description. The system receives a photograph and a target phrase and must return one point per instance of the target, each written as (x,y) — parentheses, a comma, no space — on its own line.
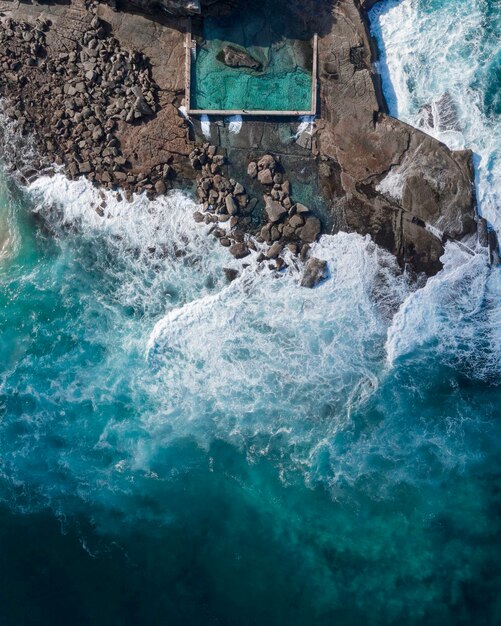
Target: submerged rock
(237,57)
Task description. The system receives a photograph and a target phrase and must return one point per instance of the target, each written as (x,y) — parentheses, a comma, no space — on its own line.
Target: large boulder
(232,56)
(315,271)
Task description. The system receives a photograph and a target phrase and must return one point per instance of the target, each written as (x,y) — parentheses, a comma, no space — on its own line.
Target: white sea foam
(454,315)
(235,125)
(9,229)
(158,247)
(205,125)
(261,362)
(428,51)
(249,363)
(392,184)
(306,125)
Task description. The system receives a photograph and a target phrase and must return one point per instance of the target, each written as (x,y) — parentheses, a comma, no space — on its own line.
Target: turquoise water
(283,84)
(176,450)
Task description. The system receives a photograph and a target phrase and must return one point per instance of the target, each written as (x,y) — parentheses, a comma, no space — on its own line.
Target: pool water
(283,84)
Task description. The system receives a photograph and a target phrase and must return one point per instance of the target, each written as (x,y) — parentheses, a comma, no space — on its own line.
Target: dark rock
(305,250)
(310,231)
(230,273)
(275,211)
(239,250)
(233,56)
(315,271)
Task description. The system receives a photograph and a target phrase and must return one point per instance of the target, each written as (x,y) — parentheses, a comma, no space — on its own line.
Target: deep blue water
(176,450)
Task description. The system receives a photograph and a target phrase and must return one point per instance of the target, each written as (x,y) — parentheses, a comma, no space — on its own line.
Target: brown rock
(252,169)
(239,250)
(265,177)
(160,187)
(274,250)
(310,231)
(315,272)
(275,211)
(267,162)
(234,56)
(231,207)
(296,221)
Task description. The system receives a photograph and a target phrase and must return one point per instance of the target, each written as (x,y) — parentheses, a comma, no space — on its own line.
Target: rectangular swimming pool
(246,64)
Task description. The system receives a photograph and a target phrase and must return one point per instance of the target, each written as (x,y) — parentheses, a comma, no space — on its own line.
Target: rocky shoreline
(287,224)
(102,91)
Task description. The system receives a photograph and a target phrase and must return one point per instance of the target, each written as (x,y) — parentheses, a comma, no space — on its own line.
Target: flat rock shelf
(244,64)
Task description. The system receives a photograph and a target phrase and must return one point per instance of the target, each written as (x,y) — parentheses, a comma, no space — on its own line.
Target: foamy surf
(437,65)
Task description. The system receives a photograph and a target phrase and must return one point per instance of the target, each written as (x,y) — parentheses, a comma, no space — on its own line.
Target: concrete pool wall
(273,84)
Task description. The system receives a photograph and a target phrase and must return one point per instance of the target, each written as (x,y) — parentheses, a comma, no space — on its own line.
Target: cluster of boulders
(288,223)
(224,202)
(75,101)
(238,219)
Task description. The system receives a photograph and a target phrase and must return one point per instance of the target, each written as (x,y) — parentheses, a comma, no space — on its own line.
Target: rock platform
(101,87)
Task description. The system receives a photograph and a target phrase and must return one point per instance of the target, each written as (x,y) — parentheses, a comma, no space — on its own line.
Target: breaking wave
(135,340)
(440,64)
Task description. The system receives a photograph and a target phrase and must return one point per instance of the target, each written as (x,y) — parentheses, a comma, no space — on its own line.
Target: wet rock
(316,270)
(239,250)
(265,233)
(265,177)
(310,231)
(305,250)
(230,273)
(274,250)
(275,211)
(233,56)
(160,187)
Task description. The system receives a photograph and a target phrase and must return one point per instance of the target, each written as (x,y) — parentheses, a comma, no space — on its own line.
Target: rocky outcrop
(102,91)
(238,219)
(94,96)
(406,189)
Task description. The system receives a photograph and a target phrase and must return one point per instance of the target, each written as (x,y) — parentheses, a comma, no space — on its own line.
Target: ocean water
(446,55)
(176,450)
